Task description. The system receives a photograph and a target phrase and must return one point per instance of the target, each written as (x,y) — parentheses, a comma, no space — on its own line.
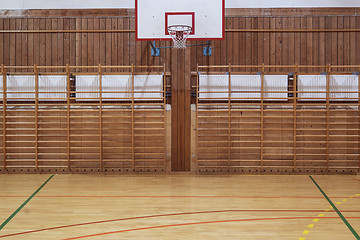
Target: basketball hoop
(179,34)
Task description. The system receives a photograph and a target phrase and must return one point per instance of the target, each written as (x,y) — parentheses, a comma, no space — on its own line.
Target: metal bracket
(155,52)
(207,51)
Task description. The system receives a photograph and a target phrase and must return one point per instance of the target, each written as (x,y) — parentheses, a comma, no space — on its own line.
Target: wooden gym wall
(318,36)
(253,36)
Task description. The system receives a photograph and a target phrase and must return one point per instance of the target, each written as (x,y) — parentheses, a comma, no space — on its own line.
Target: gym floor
(179,206)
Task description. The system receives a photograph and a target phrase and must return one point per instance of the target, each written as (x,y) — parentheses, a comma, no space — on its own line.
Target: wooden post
(132,120)
(3,71)
(68,114)
(295,114)
(328,70)
(181,110)
(359,121)
(100,118)
(36,72)
(229,119)
(164,119)
(262,120)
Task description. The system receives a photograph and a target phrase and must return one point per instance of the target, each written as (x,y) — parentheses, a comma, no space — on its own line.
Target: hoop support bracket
(155,51)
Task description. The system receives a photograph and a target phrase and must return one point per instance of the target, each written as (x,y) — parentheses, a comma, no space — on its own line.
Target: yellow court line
(315,220)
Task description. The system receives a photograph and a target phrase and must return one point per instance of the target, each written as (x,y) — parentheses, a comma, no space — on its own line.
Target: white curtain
(51,84)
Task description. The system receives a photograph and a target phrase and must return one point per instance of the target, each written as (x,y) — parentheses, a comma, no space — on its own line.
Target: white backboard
(154,16)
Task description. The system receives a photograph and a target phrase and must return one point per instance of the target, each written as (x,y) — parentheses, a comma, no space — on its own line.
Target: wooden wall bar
(270,36)
(82,130)
(294,134)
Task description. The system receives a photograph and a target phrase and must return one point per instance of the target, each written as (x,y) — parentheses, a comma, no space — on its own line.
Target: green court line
(337,210)
(23,205)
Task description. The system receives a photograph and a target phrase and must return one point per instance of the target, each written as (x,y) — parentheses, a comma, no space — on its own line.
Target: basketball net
(179,34)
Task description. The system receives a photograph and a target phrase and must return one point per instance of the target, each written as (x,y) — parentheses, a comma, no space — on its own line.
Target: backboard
(153,17)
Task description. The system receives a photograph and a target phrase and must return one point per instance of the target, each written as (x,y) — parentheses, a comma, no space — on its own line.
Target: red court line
(129,196)
(356,179)
(165,215)
(197,223)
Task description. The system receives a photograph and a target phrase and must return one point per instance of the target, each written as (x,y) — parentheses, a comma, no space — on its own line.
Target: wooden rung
(52,160)
(84,160)
(20,160)
(20,166)
(84,153)
(21,154)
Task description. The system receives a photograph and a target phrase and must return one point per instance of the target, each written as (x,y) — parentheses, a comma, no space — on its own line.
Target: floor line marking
(23,205)
(192,223)
(154,216)
(336,210)
(75,196)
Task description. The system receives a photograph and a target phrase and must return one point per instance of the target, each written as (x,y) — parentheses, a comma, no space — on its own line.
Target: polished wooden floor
(182,206)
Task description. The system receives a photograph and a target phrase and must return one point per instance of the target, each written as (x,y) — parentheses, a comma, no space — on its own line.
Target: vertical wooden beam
(359,120)
(197,119)
(229,120)
(262,120)
(3,71)
(164,119)
(36,72)
(68,115)
(100,118)
(328,70)
(132,120)
(295,114)
(181,110)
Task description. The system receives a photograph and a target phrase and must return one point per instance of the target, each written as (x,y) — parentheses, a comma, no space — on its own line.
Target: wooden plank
(272,44)
(48,45)
(236,43)
(108,45)
(297,41)
(18,41)
(42,47)
(72,38)
(54,43)
(120,42)
(353,47)
(334,42)
(285,42)
(248,43)
(174,110)
(357,50)
(340,42)
(91,43)
(84,45)
(292,46)
(6,42)
(315,41)
(322,42)
(132,57)
(30,43)
(261,40)
(66,50)
(254,43)
(78,43)
(102,47)
(309,42)
(126,42)
(303,46)
(228,42)
(279,51)
(187,111)
(2,41)
(96,42)
(114,43)
(346,53)
(240,46)
(60,41)
(267,45)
